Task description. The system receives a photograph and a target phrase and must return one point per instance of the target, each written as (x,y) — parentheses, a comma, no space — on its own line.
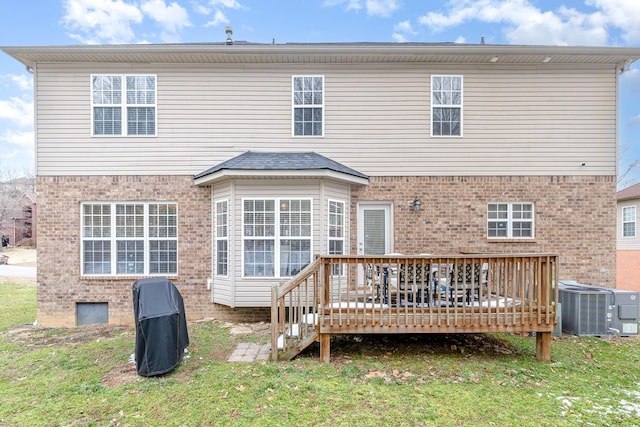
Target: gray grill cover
(161,327)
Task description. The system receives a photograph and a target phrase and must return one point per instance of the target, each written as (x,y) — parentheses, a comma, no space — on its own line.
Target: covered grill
(161,327)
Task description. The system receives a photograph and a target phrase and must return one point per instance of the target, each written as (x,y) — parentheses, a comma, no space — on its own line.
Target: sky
(530,22)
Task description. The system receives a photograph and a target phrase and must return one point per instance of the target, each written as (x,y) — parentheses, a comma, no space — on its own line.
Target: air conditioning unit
(597,311)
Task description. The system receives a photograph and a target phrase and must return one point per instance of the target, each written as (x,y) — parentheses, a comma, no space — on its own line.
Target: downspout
(31,70)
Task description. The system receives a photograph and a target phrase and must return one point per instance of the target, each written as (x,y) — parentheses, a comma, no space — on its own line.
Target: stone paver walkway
(250,352)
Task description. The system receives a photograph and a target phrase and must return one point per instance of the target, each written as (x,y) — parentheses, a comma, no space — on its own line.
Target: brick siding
(60,284)
(575,218)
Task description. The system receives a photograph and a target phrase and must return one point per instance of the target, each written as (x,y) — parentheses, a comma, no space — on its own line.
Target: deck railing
(415,294)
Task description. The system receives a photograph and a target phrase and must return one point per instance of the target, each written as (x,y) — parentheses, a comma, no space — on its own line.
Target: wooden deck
(479,293)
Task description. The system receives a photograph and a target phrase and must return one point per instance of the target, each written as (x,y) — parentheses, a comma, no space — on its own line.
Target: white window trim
(510,221)
(461,106)
(123,106)
(277,238)
(113,239)
(293,105)
(634,221)
(217,238)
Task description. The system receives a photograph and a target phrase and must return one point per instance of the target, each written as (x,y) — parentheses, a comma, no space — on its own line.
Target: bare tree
(15,220)
(624,179)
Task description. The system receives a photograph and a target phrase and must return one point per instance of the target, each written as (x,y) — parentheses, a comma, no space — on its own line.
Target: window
(222,238)
(446,105)
(510,220)
(277,237)
(124,104)
(336,231)
(308,105)
(629,221)
(129,238)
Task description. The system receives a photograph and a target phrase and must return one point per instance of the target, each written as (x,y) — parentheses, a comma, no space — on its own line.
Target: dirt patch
(121,375)
(345,347)
(33,336)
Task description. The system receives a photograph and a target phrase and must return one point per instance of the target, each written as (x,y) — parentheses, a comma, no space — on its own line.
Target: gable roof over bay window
(254,164)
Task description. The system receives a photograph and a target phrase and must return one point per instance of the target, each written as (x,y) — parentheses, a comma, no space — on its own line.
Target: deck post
(274,323)
(325,347)
(543,346)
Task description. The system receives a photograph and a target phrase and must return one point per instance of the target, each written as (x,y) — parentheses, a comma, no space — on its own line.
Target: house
(18,212)
(228,166)
(628,239)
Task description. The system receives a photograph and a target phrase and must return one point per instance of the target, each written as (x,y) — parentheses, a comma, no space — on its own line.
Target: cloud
(401,30)
(100,21)
(351,4)
(18,149)
(17,110)
(230,4)
(21,139)
(219,18)
(22,81)
(383,8)
(622,14)
(527,24)
(171,18)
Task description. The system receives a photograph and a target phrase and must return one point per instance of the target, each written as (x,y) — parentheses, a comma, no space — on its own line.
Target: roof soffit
(351,53)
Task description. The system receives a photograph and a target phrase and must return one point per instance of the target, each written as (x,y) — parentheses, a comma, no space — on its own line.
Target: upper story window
(308,105)
(446,105)
(129,238)
(123,105)
(510,220)
(629,221)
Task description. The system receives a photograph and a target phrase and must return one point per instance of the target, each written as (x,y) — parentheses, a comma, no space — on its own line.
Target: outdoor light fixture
(416,204)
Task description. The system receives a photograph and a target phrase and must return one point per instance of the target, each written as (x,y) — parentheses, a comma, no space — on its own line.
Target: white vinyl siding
(629,221)
(510,220)
(126,238)
(529,120)
(123,105)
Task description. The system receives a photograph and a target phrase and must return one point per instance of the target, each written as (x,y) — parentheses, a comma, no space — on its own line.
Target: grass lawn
(83,377)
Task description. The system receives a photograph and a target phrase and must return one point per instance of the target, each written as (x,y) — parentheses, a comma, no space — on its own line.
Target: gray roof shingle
(257,161)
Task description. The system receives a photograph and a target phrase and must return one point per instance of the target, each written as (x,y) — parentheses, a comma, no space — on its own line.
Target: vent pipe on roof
(229,32)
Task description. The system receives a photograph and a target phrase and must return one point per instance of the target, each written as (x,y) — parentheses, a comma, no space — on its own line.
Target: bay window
(222,238)
(276,236)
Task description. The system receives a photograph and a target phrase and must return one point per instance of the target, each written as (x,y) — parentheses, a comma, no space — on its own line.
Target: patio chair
(465,281)
(415,282)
